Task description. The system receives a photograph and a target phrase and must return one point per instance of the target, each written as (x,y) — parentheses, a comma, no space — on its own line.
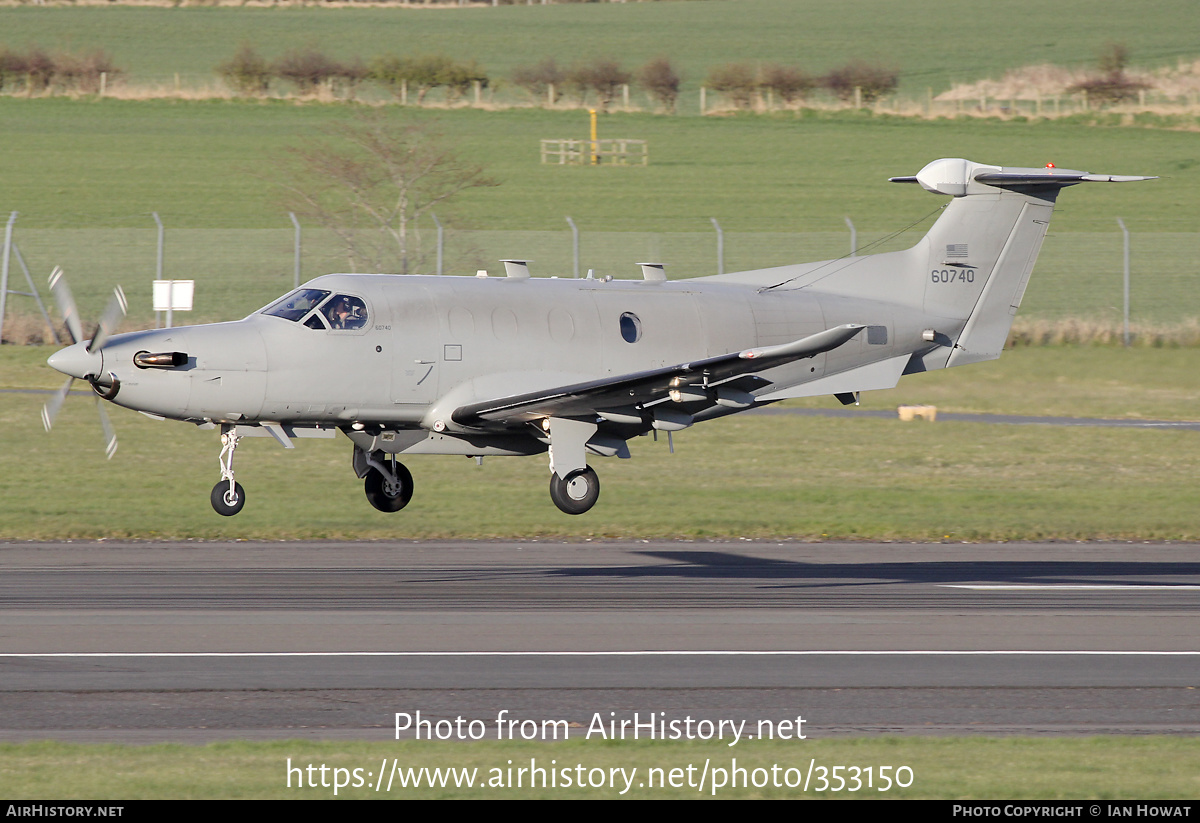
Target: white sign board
(173,295)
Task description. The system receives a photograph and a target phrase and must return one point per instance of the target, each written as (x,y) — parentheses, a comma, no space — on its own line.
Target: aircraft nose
(77,361)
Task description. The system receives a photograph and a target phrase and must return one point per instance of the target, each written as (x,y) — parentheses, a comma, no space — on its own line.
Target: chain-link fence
(1078,275)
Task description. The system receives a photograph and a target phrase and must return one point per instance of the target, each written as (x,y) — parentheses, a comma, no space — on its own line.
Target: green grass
(744,476)
(91,172)
(1138,768)
(932,43)
(208,165)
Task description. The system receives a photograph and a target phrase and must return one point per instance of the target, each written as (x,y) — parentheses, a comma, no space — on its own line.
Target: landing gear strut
(227,496)
(577,492)
(388,484)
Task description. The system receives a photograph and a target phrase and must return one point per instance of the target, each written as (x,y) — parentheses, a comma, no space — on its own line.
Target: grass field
(745,476)
(1131,768)
(932,43)
(110,163)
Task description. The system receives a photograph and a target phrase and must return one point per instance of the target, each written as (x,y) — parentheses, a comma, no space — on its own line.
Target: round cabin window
(631,327)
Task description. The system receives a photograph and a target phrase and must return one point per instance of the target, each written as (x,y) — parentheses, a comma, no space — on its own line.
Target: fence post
(296,267)
(33,292)
(441,236)
(574,246)
(853,237)
(720,246)
(12,218)
(1125,231)
(158,269)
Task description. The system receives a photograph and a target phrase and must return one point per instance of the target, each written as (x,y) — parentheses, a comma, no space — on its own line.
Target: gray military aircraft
(518,366)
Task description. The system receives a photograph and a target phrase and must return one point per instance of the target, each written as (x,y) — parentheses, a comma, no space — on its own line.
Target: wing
(641,388)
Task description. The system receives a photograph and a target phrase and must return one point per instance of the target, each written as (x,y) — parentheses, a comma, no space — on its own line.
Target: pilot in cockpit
(346,313)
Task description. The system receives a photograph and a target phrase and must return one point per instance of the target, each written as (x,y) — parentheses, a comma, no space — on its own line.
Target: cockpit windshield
(341,312)
(297,304)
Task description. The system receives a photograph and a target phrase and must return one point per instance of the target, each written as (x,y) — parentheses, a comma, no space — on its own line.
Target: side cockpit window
(345,312)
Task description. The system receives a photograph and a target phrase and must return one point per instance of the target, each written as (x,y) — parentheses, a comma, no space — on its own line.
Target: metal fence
(1079,274)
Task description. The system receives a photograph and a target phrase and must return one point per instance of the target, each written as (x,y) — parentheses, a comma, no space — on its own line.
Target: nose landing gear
(228,497)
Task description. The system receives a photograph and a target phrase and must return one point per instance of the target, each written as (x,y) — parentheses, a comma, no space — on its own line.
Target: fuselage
(421,345)
(516,365)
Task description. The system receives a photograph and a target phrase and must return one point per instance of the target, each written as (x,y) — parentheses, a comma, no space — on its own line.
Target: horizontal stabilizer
(958,177)
(1052,177)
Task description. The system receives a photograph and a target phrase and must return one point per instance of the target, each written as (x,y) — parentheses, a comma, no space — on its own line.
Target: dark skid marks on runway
(666,579)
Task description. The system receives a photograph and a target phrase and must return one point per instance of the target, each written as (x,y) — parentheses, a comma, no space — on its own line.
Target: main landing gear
(577,492)
(389,484)
(386,481)
(574,486)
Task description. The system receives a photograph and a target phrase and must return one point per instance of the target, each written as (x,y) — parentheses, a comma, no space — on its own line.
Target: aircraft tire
(375,486)
(223,502)
(577,493)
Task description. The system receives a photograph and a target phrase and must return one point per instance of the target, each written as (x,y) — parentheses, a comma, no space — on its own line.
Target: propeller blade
(110,436)
(66,304)
(50,410)
(114,313)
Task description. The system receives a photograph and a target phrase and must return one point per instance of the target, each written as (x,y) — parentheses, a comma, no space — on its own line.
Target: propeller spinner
(85,361)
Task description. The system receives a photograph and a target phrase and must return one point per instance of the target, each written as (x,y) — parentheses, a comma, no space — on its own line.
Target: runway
(202,641)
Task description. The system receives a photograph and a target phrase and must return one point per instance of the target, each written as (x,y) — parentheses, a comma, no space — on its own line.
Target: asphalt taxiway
(201,641)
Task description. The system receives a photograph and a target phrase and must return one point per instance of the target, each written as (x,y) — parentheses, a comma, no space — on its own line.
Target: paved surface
(200,641)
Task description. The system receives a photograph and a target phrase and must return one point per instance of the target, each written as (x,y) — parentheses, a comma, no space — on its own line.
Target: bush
(82,72)
(308,68)
(246,72)
(601,76)
(538,79)
(459,78)
(427,72)
(660,80)
(873,80)
(352,73)
(737,80)
(790,83)
(12,66)
(1110,88)
(39,68)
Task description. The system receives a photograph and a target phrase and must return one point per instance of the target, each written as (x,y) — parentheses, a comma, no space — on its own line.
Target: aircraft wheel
(385,495)
(577,493)
(226,503)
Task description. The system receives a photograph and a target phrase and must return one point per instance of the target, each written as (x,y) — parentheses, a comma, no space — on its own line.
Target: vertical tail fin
(979,254)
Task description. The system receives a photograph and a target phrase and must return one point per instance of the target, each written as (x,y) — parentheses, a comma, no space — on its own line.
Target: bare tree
(1112,84)
(370,180)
